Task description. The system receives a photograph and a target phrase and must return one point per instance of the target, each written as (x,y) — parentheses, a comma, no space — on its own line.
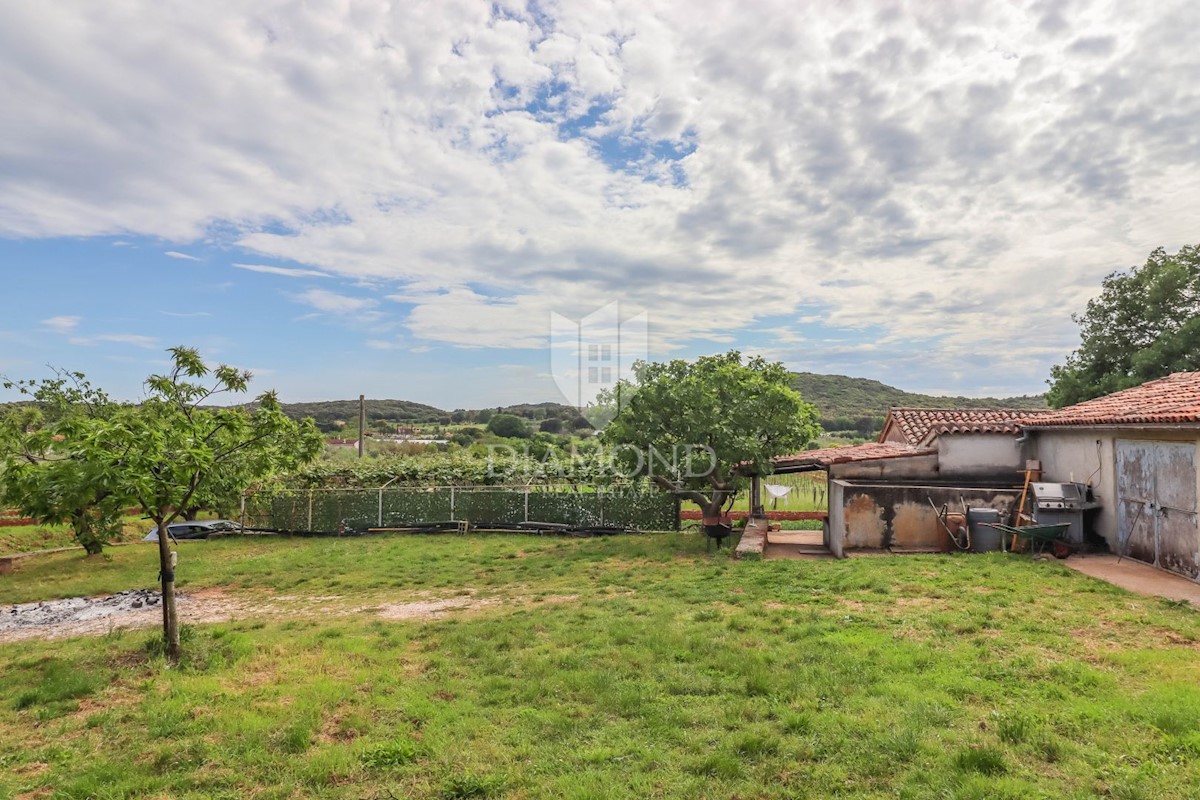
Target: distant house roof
(920,426)
(1173,400)
(828,456)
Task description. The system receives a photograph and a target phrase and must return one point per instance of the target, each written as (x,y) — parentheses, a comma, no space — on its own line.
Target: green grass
(25,538)
(622,667)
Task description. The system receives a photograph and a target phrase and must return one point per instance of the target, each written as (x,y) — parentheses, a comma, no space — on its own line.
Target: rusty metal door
(1175,520)
(1156,505)
(1135,500)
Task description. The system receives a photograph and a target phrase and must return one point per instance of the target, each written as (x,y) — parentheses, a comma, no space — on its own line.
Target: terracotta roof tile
(920,425)
(871,451)
(1173,400)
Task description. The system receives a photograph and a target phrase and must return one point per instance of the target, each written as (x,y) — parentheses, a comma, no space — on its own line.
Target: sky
(394,199)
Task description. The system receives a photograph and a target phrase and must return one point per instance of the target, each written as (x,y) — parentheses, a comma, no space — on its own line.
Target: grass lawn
(625,667)
(24,538)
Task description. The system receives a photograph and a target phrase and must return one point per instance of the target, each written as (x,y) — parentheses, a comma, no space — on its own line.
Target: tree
(551,425)
(1145,324)
(44,471)
(165,453)
(508,425)
(169,449)
(696,428)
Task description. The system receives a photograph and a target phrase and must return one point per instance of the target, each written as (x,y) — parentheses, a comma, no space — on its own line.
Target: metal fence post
(379,521)
(526,504)
(601,493)
(451,503)
(242,520)
(310,498)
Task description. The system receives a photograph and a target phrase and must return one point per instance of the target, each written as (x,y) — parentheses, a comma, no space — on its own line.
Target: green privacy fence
(637,508)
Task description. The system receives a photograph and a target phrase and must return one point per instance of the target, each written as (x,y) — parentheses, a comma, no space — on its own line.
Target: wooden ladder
(1033,473)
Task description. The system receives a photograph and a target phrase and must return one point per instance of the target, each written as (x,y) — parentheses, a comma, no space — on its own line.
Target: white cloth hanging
(776,491)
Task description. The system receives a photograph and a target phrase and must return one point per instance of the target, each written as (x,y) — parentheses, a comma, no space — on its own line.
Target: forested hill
(841,397)
(844,404)
(325,413)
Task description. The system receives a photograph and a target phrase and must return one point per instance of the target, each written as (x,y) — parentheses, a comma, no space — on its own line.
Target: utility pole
(362,423)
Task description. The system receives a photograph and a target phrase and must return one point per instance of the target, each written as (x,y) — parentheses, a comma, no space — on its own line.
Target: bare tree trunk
(167,573)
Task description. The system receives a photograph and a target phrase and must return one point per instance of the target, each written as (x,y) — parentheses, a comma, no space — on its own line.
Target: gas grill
(1072,503)
(1061,496)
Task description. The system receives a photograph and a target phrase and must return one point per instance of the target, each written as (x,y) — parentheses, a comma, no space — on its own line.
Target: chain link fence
(313,510)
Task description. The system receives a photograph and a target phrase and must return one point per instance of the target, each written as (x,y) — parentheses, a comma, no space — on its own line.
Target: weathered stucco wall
(908,468)
(1086,457)
(1089,456)
(882,516)
(986,455)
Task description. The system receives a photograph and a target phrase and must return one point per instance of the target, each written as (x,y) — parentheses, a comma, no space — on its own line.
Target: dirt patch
(431,609)
(141,608)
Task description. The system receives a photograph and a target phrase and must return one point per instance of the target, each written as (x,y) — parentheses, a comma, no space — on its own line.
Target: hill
(327,414)
(861,404)
(844,404)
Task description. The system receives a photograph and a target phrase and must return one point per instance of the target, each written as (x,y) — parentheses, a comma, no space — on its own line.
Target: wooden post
(362,424)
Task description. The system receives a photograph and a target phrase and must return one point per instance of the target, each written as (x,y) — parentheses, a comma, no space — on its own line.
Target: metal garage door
(1156,504)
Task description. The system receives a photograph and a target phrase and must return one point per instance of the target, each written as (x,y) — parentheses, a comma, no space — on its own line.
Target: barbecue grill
(1065,503)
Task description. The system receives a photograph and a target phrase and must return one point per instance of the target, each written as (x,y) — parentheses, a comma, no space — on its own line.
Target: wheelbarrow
(1040,537)
(717,529)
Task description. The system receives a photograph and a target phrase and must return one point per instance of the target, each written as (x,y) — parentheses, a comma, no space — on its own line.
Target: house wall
(907,468)
(876,516)
(1088,455)
(979,455)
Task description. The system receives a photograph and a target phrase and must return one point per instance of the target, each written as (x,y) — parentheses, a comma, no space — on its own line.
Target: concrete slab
(795,551)
(754,539)
(1137,577)
(796,545)
(796,537)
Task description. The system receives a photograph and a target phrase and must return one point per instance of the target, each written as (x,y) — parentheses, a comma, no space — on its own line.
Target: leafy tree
(696,428)
(551,425)
(508,425)
(1145,324)
(166,453)
(170,447)
(44,471)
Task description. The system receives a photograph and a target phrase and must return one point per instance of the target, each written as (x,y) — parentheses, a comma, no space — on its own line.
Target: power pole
(362,423)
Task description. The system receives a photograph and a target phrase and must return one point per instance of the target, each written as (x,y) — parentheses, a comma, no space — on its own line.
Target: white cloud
(944,178)
(133,339)
(334,303)
(181,256)
(62,324)
(186,314)
(287,272)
